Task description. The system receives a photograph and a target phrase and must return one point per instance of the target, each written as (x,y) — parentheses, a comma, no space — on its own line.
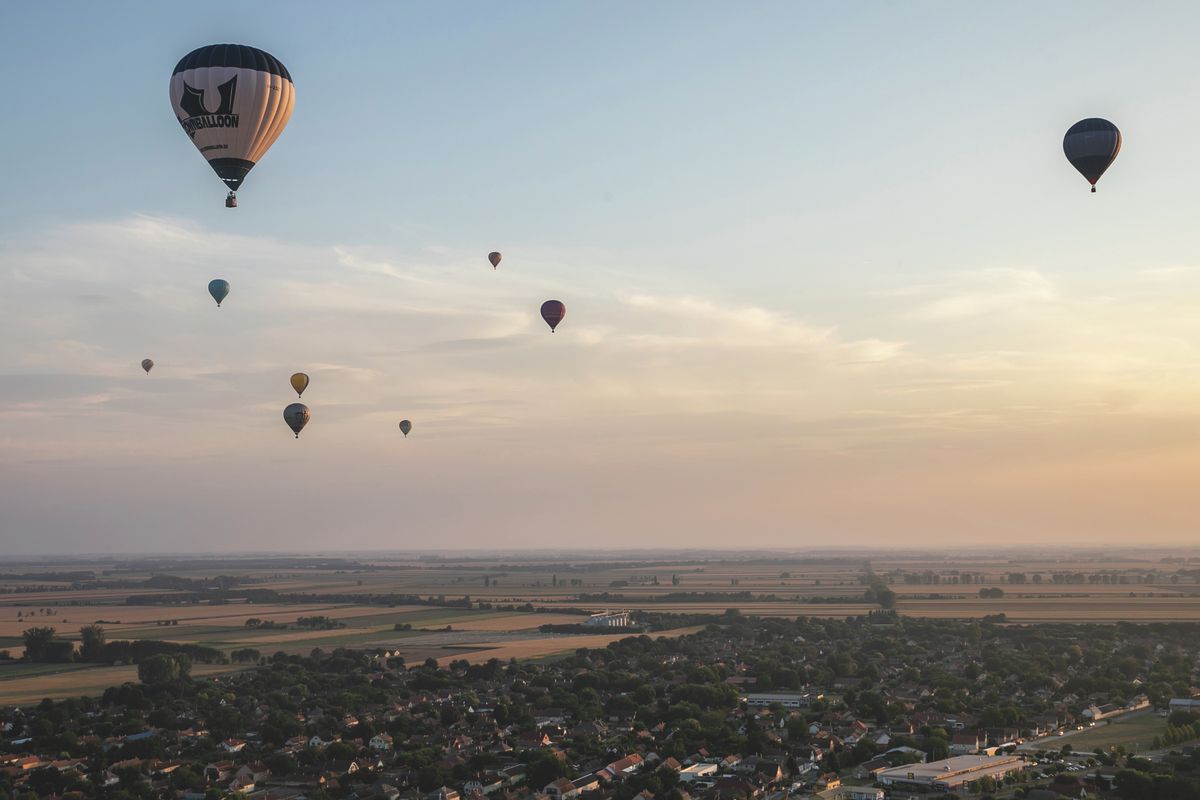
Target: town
(860,708)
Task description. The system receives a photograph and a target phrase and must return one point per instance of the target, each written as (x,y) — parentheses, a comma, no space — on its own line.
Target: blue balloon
(218,289)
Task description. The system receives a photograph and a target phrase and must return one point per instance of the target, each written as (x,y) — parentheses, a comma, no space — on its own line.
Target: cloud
(656,394)
(985,291)
(700,322)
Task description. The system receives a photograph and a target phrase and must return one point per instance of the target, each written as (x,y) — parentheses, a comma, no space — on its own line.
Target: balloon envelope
(219,289)
(405,427)
(494,257)
(232,101)
(553,312)
(299,383)
(1091,145)
(147,364)
(296,416)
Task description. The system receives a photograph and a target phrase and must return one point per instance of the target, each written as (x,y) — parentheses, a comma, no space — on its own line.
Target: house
(529,739)
(255,772)
(381,743)
(624,766)
(549,716)
(386,790)
(829,780)
(217,771)
(588,783)
(767,769)
(561,789)
(233,745)
(730,788)
(241,785)
(1138,703)
(963,743)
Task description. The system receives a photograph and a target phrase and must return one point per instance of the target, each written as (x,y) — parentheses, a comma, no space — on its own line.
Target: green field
(20,669)
(1134,732)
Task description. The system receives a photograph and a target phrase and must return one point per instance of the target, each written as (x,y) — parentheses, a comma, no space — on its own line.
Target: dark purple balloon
(553,312)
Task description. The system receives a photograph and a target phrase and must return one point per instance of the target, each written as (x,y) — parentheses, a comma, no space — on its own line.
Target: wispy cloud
(986,291)
(651,377)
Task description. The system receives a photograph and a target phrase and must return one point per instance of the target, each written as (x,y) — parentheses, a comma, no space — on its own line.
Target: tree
(36,641)
(1132,784)
(341,751)
(244,655)
(164,668)
(542,767)
(58,651)
(92,641)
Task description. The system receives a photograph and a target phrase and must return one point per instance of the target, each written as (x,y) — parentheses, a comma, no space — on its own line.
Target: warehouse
(609,619)
(952,773)
(1191,704)
(785,699)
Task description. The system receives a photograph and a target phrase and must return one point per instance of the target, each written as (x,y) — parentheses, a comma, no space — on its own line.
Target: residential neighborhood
(743,709)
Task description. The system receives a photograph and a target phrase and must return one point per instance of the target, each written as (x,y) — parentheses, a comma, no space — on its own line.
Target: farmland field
(72,681)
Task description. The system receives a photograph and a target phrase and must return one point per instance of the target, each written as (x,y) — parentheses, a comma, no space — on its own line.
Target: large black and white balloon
(233,101)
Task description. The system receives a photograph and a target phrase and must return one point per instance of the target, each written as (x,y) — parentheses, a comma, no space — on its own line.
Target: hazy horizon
(829,281)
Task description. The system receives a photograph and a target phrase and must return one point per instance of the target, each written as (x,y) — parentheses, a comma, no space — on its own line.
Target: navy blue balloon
(219,289)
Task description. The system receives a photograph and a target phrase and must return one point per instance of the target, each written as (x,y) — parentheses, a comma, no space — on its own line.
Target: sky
(830,281)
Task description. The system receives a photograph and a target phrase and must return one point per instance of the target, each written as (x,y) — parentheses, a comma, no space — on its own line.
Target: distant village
(869,707)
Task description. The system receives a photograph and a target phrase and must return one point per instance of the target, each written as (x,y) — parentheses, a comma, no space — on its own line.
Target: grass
(1134,732)
(20,669)
(85,679)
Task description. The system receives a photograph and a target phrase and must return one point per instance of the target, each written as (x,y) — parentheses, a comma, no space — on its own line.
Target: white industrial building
(609,619)
(785,699)
(950,774)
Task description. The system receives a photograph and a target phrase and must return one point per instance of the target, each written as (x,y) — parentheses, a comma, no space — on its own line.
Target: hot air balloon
(405,427)
(219,289)
(296,416)
(233,101)
(494,257)
(299,383)
(1091,146)
(553,312)
(147,365)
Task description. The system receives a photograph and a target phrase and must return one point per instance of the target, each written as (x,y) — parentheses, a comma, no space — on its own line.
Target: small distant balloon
(1091,145)
(219,289)
(494,257)
(553,312)
(147,365)
(296,416)
(405,427)
(299,383)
